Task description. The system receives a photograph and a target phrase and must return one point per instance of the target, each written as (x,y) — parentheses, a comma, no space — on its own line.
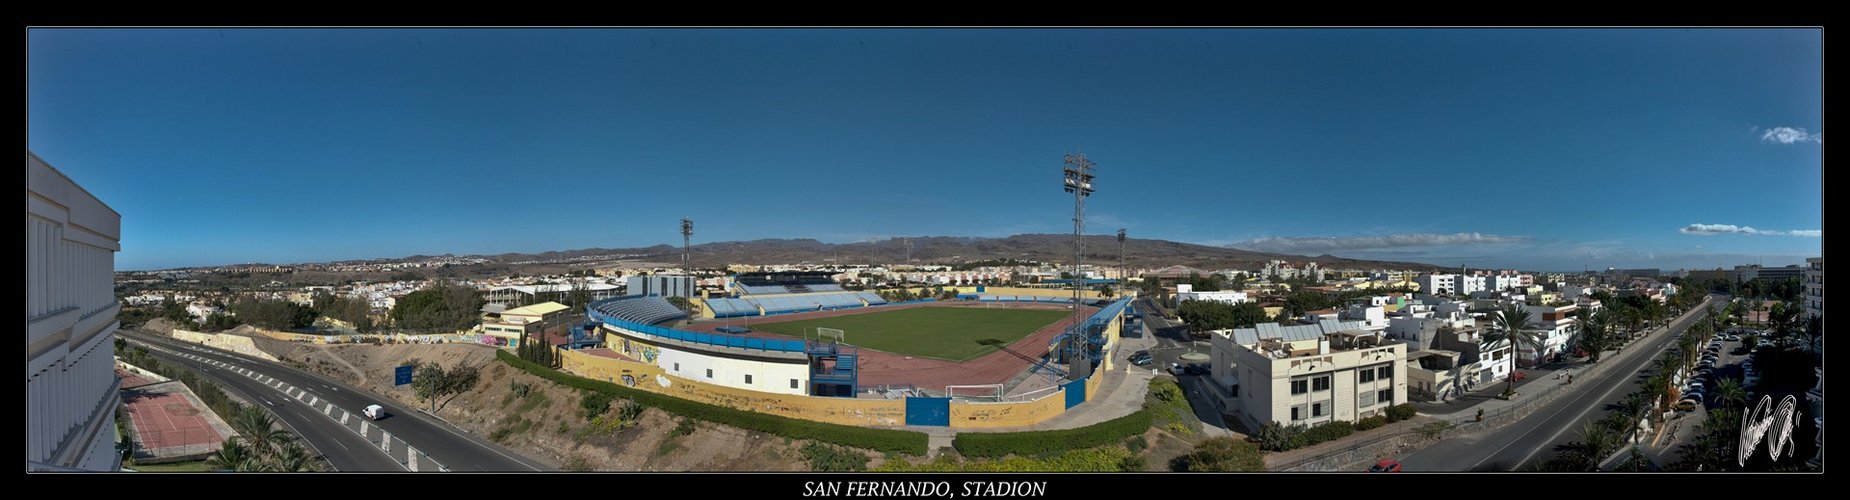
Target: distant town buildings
(1814,287)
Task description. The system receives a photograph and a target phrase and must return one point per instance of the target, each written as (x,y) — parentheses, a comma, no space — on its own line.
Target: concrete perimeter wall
(234,343)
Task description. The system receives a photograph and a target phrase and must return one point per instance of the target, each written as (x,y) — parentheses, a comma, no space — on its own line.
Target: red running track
(884,368)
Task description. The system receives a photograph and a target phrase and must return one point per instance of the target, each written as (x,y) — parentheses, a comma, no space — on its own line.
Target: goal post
(992,392)
(835,335)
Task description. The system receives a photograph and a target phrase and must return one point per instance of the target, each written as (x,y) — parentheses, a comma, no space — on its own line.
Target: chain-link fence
(176,444)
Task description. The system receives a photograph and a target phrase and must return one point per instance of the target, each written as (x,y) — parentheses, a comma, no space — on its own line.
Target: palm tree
(1595,444)
(1595,334)
(1632,407)
(291,458)
(1656,389)
(233,456)
(1730,393)
(256,425)
(1511,321)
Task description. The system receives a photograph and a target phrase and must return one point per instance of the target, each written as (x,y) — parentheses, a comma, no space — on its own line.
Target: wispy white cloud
(1285,244)
(1714,229)
(1789,135)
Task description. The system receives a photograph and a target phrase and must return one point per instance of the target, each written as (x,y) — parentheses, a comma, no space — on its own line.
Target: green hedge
(1329,431)
(1401,412)
(1050,443)
(1370,422)
(884,440)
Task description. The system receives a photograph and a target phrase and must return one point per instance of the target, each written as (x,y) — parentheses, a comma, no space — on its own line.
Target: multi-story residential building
(1751,272)
(1479,363)
(71,385)
(1437,284)
(1186,292)
(1556,326)
(1814,287)
(1701,276)
(553,292)
(1307,374)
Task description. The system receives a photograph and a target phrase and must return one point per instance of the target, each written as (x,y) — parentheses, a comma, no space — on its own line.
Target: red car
(1385,465)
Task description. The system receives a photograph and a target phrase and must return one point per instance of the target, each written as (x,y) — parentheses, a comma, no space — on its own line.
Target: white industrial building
(1307,374)
(1186,292)
(71,385)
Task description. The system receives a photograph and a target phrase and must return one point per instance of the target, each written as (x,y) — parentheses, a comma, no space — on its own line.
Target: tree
(1595,444)
(1730,392)
(233,456)
(1513,321)
(1595,334)
(1224,454)
(440,307)
(1106,292)
(438,386)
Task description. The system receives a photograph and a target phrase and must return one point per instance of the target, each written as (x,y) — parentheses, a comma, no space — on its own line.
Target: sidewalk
(1121,392)
(1580,371)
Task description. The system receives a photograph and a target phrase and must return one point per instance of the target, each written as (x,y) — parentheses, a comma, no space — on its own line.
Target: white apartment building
(1556,326)
(71,385)
(1814,287)
(1503,282)
(1307,374)
(1437,284)
(1186,292)
(1441,284)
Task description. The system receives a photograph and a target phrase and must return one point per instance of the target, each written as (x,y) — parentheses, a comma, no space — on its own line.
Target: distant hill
(1101,249)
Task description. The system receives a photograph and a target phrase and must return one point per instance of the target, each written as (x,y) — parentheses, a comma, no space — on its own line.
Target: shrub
(1275,436)
(1224,455)
(595,403)
(1329,431)
(823,457)
(1371,422)
(521,389)
(1050,443)
(1136,443)
(888,440)
(1401,412)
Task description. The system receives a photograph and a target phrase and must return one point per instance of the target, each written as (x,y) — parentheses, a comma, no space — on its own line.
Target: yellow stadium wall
(1022,414)
(845,411)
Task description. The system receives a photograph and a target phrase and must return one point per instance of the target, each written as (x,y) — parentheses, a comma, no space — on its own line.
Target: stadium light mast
(1121,258)
(1078,180)
(687,235)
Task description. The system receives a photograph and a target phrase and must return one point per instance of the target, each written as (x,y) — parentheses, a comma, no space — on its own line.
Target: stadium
(798,344)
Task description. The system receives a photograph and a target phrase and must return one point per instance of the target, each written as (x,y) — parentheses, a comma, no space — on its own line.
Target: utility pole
(1078,180)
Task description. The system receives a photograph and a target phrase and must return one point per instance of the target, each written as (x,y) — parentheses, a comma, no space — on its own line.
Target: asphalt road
(1533,438)
(1171,343)
(343,449)
(456,449)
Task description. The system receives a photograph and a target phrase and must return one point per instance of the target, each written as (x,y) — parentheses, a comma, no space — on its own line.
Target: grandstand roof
(555,287)
(540,309)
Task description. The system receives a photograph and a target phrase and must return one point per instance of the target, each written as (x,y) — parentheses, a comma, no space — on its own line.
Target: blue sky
(1541,149)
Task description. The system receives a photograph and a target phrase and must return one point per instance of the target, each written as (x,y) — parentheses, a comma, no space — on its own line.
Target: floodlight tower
(687,235)
(1078,180)
(1120,259)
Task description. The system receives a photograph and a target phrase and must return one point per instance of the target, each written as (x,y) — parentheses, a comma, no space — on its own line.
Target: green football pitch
(948,333)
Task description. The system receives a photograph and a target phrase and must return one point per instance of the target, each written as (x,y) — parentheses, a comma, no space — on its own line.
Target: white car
(374,412)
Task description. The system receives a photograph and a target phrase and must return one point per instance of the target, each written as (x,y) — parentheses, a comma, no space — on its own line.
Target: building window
(1300,386)
(1235,389)
(1316,409)
(748,379)
(677,367)
(709,373)
(1366,376)
(1387,372)
(1297,412)
(793,383)
(1320,383)
(1367,399)
(1385,395)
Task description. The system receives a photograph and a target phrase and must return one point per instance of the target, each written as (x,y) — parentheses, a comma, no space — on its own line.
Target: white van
(374,412)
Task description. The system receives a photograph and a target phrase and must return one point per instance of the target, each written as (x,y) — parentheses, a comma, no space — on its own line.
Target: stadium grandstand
(762,294)
(634,323)
(784,282)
